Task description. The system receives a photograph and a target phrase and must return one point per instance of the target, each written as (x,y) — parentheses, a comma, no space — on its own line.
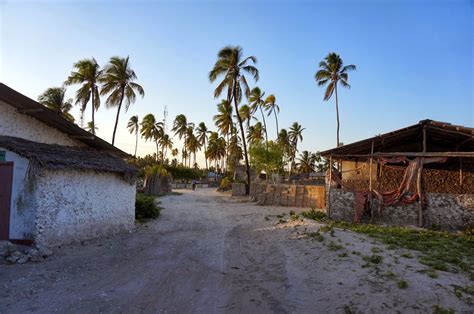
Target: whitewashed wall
(22,209)
(23,126)
(76,205)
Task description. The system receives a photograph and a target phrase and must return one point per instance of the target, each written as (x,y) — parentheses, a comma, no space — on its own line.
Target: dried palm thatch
(58,157)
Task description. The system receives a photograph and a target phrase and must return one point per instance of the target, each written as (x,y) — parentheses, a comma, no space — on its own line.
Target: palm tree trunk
(276,119)
(93,113)
(157,150)
(242,133)
(264,125)
(205,157)
(136,143)
(118,114)
(337,114)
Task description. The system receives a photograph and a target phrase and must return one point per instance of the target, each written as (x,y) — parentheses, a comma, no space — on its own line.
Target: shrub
(226,184)
(145,207)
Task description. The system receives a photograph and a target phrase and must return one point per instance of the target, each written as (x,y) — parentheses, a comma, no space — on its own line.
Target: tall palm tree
(232,66)
(180,128)
(202,132)
(331,72)
(166,142)
(258,103)
(245,114)
(295,133)
(118,82)
(87,72)
(272,107)
(152,130)
(53,98)
(133,127)
(223,119)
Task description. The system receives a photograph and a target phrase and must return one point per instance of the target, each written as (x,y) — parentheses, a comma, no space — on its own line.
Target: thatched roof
(59,157)
(35,110)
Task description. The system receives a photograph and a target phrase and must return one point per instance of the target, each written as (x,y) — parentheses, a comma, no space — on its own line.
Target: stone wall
(309,196)
(238,189)
(446,211)
(77,205)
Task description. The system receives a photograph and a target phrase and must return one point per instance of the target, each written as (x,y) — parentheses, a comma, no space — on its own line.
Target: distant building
(58,182)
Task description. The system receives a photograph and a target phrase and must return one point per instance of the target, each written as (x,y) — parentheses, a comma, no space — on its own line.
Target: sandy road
(209,253)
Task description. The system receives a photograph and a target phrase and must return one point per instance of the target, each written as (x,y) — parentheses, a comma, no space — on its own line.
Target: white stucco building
(58,183)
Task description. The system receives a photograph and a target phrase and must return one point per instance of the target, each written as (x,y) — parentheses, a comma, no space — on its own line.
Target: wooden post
(328,198)
(370,182)
(460,175)
(419,182)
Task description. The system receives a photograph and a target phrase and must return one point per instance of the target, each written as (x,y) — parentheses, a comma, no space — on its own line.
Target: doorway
(6,181)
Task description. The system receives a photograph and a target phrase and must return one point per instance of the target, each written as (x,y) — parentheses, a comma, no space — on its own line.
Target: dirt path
(209,253)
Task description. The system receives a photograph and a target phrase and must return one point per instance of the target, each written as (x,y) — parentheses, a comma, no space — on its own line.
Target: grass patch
(402,284)
(406,255)
(316,235)
(374,259)
(437,309)
(439,250)
(333,246)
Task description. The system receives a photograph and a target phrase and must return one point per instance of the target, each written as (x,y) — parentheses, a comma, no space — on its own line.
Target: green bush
(226,184)
(145,207)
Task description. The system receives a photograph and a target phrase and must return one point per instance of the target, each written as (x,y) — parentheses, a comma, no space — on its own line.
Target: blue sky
(414,58)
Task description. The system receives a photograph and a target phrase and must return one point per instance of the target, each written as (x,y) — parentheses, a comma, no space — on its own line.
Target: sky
(414,58)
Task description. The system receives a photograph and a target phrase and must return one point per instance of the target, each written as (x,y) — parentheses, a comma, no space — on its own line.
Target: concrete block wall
(238,189)
(307,196)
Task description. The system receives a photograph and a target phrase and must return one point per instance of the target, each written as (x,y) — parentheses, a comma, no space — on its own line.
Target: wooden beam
(464,142)
(370,182)
(409,154)
(328,201)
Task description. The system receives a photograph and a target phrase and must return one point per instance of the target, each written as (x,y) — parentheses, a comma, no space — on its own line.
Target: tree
(272,107)
(91,127)
(166,142)
(331,72)
(295,134)
(152,130)
(306,162)
(223,119)
(118,82)
(232,66)
(267,157)
(255,133)
(180,128)
(133,127)
(88,74)
(53,98)
(257,103)
(245,114)
(202,132)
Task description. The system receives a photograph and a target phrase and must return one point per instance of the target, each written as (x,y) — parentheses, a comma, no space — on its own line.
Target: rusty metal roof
(28,106)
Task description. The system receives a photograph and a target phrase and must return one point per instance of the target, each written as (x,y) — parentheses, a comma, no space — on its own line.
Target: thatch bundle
(57,157)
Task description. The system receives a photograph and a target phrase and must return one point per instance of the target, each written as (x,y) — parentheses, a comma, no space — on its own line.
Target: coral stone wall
(310,196)
(77,205)
(446,211)
(15,124)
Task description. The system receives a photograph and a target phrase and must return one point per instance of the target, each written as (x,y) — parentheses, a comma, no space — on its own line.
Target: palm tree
(331,72)
(295,134)
(88,74)
(231,66)
(257,103)
(118,82)
(255,133)
(91,127)
(133,127)
(306,162)
(202,132)
(166,142)
(53,98)
(223,119)
(152,130)
(245,114)
(272,107)
(180,128)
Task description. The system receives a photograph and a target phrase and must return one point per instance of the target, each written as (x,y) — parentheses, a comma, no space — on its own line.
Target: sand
(211,253)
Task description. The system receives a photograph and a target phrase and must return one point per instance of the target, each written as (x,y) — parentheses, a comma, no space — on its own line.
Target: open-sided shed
(419,175)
